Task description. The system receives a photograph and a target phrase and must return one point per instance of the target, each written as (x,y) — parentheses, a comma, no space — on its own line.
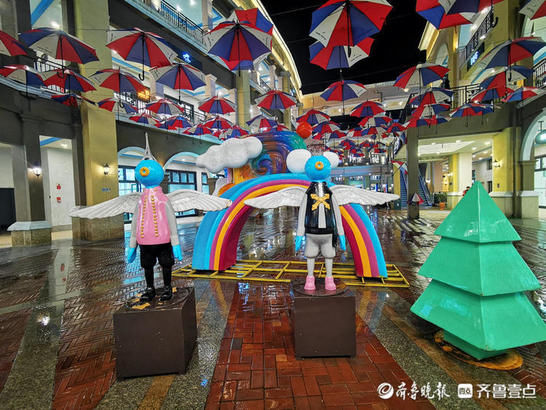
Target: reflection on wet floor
(56,306)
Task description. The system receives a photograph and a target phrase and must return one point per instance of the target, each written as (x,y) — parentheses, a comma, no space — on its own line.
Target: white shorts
(319,243)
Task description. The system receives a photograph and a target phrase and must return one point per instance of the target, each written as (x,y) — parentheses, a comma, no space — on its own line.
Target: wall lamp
(497,164)
(106,169)
(36,170)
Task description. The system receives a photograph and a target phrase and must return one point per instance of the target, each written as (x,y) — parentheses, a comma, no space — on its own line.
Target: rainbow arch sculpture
(218,234)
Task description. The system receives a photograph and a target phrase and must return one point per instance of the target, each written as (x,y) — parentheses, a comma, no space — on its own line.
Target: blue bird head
(149,173)
(318,168)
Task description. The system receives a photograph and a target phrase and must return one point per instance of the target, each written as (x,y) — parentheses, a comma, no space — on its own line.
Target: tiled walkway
(56,342)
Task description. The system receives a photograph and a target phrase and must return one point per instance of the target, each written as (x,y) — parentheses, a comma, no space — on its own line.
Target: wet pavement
(57,346)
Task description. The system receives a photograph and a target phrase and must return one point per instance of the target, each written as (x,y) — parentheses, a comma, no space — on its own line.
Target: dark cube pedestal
(324,322)
(158,339)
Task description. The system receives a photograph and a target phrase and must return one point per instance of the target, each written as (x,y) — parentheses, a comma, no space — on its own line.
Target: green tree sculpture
(478,281)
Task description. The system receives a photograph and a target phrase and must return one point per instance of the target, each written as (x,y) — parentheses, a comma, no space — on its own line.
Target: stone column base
(453,199)
(98,229)
(504,202)
(527,204)
(30,233)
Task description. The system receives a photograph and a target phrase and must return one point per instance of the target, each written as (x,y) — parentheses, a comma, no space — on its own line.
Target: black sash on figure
(312,215)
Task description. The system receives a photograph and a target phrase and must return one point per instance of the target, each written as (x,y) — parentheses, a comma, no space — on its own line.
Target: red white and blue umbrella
(144,119)
(111,103)
(437,119)
(59,45)
(434,95)
(534,9)
(70,100)
(396,127)
(236,42)
(430,110)
(177,122)
(377,121)
(416,122)
(506,75)
(367,109)
(348,22)
(67,80)
(334,57)
(261,121)
(179,76)
(165,107)
(492,93)
(448,13)
(235,132)
(275,100)
(421,75)
(9,46)
(471,109)
(523,93)
(356,132)
(253,17)
(141,47)
(199,129)
(512,51)
(336,135)
(343,90)
(22,74)
(218,123)
(217,105)
(325,128)
(313,117)
(277,128)
(114,79)
(373,131)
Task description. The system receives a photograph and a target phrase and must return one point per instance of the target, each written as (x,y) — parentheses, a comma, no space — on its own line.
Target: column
(30,227)
(285,77)
(527,203)
(99,141)
(210,86)
(460,169)
(232,96)
(243,97)
(272,76)
(503,170)
(413,173)
(206,14)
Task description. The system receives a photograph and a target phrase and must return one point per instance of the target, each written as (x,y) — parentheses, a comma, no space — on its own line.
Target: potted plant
(442,199)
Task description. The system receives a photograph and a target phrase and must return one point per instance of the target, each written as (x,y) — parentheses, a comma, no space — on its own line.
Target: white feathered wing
(183,200)
(112,207)
(292,196)
(345,194)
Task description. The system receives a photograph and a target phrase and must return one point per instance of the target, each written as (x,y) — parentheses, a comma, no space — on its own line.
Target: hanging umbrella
(371,131)
(236,42)
(367,109)
(165,107)
(70,100)
(429,110)
(313,117)
(277,128)
(523,93)
(491,93)
(144,119)
(111,103)
(67,80)
(325,128)
(470,110)
(433,95)
(506,75)
(396,127)
(218,123)
(177,122)
(9,46)
(348,22)
(377,121)
(162,125)
(142,47)
(22,74)
(447,13)
(217,105)
(534,9)
(512,51)
(336,136)
(332,57)
(115,80)
(60,45)
(179,76)
(261,121)
(343,90)
(415,122)
(356,132)
(235,132)
(253,17)
(199,129)
(421,75)
(275,100)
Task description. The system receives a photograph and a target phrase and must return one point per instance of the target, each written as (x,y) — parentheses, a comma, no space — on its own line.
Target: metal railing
(539,74)
(477,38)
(464,94)
(264,85)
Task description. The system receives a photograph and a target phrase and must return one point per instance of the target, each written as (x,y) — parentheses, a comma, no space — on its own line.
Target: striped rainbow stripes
(218,235)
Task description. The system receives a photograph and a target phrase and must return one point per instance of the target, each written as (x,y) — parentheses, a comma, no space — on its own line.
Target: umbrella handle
(141,75)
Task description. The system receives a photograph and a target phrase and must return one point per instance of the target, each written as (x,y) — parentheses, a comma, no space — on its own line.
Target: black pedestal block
(158,339)
(324,323)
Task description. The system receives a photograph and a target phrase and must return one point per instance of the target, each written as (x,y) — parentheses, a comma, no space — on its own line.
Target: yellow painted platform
(279,271)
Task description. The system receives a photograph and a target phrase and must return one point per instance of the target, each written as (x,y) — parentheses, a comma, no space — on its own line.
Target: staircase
(423,191)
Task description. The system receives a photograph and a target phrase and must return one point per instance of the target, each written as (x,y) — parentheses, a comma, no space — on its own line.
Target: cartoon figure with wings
(154,227)
(319,218)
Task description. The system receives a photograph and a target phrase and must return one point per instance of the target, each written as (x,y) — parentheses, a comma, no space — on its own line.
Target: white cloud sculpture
(232,153)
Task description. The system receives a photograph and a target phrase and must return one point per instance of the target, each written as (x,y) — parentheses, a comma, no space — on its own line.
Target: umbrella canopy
(523,93)
(534,9)
(199,129)
(447,13)
(59,45)
(237,42)
(370,131)
(491,93)
(261,121)
(67,80)
(377,121)
(396,127)
(22,74)
(164,106)
(218,123)
(334,57)
(512,51)
(506,75)
(348,22)
(421,75)
(343,90)
(367,109)
(434,95)
(177,122)
(217,105)
(313,117)
(337,135)
(417,122)
(436,119)
(325,128)
(114,79)
(111,103)
(235,132)
(278,127)
(9,46)
(276,100)
(253,17)
(179,76)
(144,119)
(430,110)
(470,110)
(70,100)
(356,132)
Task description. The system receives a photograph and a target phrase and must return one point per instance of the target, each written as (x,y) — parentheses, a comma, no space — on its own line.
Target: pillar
(206,14)
(285,77)
(30,227)
(413,173)
(99,142)
(243,97)
(460,175)
(503,169)
(210,86)
(527,200)
(272,77)
(232,96)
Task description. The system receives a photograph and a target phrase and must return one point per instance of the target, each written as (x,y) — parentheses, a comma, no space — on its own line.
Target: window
(489,164)
(540,163)
(205,183)
(127,184)
(182,180)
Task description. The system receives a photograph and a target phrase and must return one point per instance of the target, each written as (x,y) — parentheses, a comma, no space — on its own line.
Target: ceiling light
(64,145)
(458,141)
(178,8)
(37,170)
(406,90)
(55,25)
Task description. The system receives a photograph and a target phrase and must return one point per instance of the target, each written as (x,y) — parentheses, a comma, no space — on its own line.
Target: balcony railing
(477,38)
(539,74)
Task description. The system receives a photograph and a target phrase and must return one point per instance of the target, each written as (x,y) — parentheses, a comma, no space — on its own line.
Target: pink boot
(309,283)
(329,283)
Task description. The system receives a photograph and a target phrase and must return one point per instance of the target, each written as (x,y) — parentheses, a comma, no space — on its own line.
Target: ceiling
(394,50)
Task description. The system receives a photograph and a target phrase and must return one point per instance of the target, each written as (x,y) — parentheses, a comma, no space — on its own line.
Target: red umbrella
(512,51)
(367,109)
(235,132)
(9,46)
(67,80)
(144,119)
(261,121)
(164,106)
(111,103)
(491,93)
(313,117)
(420,75)
(377,121)
(276,100)
(338,57)
(443,14)
(199,129)
(523,93)
(218,123)
(254,17)
(114,79)
(177,122)
(217,105)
